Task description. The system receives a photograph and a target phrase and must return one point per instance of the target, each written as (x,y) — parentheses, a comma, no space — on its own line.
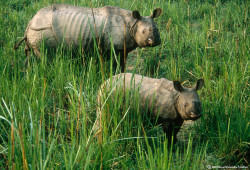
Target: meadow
(48,109)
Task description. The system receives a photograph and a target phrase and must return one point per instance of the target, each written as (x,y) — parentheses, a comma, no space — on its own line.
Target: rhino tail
(18,44)
(24,38)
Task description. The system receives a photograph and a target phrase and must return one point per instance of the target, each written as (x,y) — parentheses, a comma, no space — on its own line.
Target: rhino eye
(185,105)
(143,32)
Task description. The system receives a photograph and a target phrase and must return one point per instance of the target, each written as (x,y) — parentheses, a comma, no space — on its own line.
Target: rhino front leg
(171,129)
(123,62)
(168,129)
(123,58)
(120,60)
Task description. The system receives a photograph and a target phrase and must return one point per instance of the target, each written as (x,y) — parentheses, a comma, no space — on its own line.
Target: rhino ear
(156,13)
(136,15)
(199,84)
(178,86)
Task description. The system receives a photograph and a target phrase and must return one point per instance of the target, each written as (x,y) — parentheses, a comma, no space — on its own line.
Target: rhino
(167,102)
(83,27)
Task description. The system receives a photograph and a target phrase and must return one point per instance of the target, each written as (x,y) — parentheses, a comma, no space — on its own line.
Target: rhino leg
(171,129)
(26,61)
(27,52)
(37,52)
(168,129)
(120,55)
(36,38)
(122,62)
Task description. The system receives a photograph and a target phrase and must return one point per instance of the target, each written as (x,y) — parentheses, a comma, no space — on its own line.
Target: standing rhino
(167,102)
(82,27)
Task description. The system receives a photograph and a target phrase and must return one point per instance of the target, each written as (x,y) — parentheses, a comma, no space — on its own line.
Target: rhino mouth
(150,42)
(154,43)
(195,116)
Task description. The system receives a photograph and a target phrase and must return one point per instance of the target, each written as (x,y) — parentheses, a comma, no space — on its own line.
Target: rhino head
(188,103)
(145,32)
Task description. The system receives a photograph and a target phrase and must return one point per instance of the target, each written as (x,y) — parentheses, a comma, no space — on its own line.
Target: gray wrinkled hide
(161,95)
(77,26)
(72,24)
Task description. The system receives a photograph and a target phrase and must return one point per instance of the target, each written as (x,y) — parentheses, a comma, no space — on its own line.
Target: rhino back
(72,27)
(42,19)
(167,85)
(145,84)
(147,87)
(155,94)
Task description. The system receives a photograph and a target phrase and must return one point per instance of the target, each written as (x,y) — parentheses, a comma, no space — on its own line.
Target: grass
(47,112)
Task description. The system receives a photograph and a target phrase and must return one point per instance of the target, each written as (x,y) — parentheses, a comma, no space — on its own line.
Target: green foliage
(47,111)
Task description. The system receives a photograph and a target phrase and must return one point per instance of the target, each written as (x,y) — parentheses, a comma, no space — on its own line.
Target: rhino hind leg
(27,50)
(37,52)
(37,37)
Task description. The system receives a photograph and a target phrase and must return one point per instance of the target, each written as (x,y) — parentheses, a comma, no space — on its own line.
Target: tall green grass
(47,111)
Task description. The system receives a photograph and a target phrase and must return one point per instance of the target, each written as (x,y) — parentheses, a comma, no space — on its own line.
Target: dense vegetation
(47,110)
